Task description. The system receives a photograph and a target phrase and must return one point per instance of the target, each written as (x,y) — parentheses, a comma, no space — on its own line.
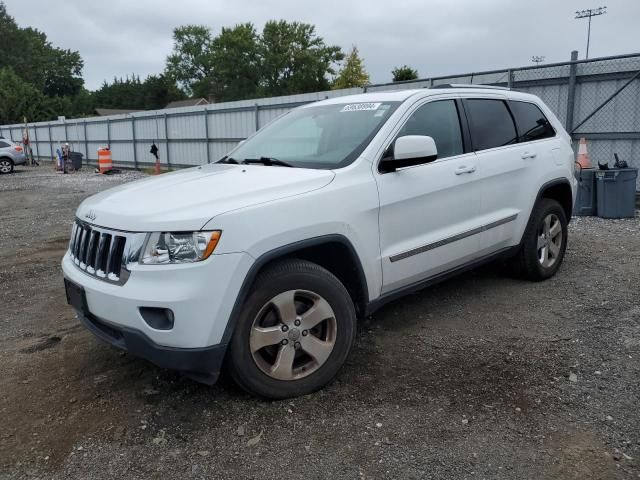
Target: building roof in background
(103,112)
(189,102)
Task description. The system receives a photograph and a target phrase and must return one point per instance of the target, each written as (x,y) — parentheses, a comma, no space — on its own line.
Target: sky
(437,37)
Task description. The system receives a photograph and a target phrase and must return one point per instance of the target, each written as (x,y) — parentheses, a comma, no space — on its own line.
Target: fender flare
(553,183)
(280,252)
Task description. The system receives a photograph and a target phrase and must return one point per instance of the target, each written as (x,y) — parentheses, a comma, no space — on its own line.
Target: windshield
(323,137)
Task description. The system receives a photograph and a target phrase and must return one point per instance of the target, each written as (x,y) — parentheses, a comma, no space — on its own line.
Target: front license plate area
(76,296)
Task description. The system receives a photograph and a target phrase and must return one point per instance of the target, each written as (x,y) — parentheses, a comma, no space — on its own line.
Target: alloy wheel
(293,335)
(5,166)
(549,240)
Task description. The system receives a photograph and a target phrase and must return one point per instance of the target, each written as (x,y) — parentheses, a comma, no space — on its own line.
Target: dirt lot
(483,376)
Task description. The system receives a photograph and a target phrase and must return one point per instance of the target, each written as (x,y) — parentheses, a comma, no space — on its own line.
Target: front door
(429,213)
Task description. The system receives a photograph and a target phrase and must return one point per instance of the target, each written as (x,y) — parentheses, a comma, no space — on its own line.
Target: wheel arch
(333,252)
(560,190)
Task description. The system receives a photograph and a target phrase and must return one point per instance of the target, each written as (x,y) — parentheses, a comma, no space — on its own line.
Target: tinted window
(532,124)
(4,144)
(490,123)
(440,121)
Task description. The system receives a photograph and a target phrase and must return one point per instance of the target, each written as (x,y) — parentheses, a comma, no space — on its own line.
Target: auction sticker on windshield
(358,107)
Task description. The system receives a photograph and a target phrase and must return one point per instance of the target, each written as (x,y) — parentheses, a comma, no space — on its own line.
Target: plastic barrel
(76,160)
(104,160)
(586,197)
(616,192)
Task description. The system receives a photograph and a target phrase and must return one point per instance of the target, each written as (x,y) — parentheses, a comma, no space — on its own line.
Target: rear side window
(490,123)
(532,124)
(440,121)
(4,144)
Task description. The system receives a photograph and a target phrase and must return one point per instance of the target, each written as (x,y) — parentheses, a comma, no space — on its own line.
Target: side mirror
(408,151)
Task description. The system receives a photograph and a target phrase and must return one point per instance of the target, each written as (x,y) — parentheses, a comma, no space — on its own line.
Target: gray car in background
(10,155)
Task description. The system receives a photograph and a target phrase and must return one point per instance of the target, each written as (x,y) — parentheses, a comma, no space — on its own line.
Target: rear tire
(294,332)
(544,242)
(6,165)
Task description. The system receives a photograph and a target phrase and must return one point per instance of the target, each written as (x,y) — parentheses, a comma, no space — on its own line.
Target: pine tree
(353,73)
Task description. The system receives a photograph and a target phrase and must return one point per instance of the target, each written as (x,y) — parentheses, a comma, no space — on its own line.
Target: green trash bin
(616,192)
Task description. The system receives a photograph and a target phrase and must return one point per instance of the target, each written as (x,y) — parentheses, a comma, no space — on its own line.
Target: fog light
(157,318)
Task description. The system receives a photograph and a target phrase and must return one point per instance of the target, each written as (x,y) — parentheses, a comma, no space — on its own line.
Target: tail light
(18,148)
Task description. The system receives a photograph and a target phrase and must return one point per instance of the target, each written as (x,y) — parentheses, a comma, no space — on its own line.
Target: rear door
(506,163)
(429,213)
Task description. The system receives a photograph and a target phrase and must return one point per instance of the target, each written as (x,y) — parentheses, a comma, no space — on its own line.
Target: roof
(402,95)
(189,102)
(103,112)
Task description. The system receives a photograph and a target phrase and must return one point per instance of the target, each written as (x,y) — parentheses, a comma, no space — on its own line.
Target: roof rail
(463,85)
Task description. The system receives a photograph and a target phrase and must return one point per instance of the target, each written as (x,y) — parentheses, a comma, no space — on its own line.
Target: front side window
(440,121)
(490,123)
(532,124)
(322,137)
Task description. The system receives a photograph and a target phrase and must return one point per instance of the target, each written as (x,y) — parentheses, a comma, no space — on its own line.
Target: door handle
(465,169)
(527,155)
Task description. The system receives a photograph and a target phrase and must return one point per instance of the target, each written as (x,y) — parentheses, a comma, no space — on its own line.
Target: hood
(188,199)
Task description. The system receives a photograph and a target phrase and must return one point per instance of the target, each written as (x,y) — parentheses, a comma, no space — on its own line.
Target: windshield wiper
(268,161)
(228,160)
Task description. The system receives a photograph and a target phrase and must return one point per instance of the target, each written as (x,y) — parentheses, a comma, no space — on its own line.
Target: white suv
(264,260)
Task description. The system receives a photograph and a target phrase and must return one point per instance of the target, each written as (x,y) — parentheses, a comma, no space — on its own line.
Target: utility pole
(538,59)
(588,13)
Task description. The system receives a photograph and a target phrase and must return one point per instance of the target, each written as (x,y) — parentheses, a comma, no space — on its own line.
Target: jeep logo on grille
(91,215)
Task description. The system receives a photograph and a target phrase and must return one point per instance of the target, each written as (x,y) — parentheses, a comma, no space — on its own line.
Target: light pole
(538,59)
(588,13)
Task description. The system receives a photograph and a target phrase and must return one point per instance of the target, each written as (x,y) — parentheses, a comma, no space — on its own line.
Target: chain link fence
(598,99)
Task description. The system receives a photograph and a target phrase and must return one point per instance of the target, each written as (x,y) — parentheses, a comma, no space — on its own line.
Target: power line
(589,13)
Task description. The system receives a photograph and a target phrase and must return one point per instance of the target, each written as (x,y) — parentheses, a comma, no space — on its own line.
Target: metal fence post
(257,117)
(509,78)
(50,140)
(571,95)
(166,138)
(35,139)
(206,133)
(86,142)
(66,133)
(108,133)
(133,141)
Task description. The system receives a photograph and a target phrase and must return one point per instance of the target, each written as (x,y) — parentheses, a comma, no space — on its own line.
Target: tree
(236,64)
(404,73)
(16,97)
(191,62)
(286,58)
(158,91)
(53,71)
(154,93)
(353,73)
(294,59)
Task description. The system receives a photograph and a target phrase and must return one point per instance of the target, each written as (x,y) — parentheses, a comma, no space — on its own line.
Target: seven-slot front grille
(98,252)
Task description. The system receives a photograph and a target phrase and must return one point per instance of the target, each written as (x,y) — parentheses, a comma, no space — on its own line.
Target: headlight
(162,248)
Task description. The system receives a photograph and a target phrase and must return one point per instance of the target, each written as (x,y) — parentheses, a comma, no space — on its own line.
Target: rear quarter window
(531,122)
(4,144)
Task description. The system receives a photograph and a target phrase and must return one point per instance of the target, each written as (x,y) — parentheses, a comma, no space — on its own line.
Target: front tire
(544,242)
(294,333)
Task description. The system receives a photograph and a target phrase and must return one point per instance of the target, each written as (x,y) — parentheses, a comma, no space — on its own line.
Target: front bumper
(200,295)
(200,364)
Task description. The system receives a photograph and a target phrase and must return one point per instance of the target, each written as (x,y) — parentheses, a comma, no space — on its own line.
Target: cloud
(118,37)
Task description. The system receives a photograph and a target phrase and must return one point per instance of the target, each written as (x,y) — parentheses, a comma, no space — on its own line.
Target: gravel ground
(483,376)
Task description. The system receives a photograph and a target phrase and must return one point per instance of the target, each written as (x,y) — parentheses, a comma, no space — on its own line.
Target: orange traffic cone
(583,156)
